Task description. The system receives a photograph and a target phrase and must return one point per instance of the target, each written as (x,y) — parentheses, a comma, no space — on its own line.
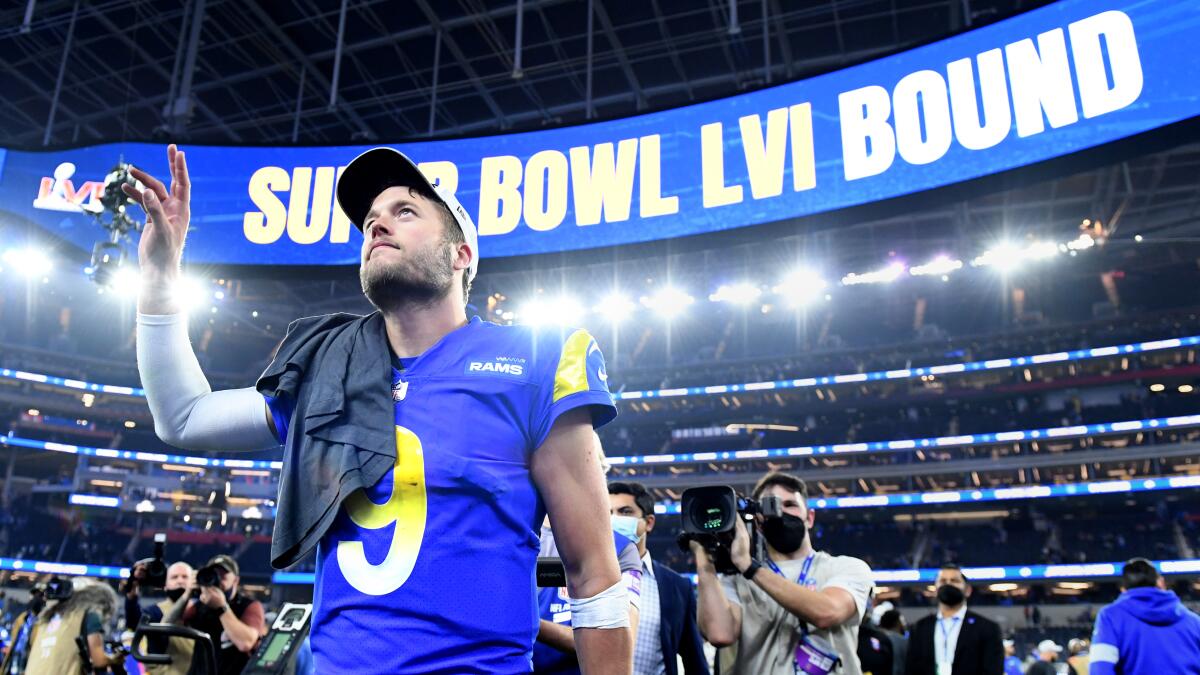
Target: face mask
(785,534)
(175,594)
(626,526)
(951,596)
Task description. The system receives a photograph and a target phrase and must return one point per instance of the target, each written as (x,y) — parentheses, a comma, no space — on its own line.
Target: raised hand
(161,246)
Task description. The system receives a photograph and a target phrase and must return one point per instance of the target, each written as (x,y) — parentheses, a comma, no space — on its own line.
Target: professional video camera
(154,568)
(710,515)
(59,588)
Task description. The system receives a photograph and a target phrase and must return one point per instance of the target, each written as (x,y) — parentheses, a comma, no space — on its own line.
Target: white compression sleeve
(187,412)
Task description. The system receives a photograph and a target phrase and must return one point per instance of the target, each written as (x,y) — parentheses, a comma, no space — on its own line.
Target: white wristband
(607,609)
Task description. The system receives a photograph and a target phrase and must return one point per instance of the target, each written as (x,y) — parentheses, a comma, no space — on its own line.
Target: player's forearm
(604,651)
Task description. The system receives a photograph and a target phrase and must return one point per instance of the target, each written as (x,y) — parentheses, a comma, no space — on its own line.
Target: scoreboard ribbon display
(1053,81)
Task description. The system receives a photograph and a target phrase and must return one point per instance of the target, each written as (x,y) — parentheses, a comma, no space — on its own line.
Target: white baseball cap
(378,169)
(1049,646)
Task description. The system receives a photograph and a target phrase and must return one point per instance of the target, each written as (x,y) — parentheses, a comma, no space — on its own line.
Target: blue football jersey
(432,570)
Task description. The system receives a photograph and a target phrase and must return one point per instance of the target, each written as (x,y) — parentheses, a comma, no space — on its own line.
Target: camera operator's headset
(275,654)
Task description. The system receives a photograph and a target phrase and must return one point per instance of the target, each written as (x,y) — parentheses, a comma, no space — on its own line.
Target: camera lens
(710,517)
(209,575)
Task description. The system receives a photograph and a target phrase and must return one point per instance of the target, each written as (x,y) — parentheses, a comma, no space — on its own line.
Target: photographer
(178,587)
(234,620)
(798,610)
(17,651)
(78,608)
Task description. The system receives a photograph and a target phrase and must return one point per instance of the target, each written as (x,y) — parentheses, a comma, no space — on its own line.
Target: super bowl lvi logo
(58,193)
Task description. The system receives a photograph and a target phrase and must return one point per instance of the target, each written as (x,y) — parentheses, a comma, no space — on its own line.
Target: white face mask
(626,526)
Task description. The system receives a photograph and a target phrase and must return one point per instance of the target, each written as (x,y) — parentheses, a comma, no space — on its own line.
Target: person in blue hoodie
(1147,630)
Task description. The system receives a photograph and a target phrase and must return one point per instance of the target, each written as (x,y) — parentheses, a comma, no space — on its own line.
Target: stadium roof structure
(329,72)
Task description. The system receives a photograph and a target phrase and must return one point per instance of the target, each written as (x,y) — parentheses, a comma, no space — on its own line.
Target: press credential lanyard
(947,663)
(803,570)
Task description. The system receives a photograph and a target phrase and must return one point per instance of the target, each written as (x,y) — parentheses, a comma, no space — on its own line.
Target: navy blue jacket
(678,630)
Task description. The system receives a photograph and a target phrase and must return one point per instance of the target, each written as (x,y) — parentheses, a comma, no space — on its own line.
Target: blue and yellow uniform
(432,569)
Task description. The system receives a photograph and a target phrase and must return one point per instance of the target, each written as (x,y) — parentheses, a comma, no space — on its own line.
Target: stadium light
(881,276)
(1008,256)
(1004,257)
(126,283)
(615,307)
(942,266)
(1085,241)
(534,313)
(738,294)
(29,262)
(1041,250)
(801,287)
(561,310)
(668,302)
(190,293)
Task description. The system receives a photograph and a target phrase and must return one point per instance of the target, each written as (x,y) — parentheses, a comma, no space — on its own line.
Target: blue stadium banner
(1053,81)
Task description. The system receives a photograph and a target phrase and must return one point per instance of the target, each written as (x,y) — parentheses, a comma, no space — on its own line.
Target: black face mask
(175,594)
(951,596)
(785,534)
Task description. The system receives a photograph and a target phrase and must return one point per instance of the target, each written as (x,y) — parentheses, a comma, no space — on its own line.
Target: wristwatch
(750,571)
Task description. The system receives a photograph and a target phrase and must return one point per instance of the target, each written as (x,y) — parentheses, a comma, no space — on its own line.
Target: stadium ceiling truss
(341,71)
(361,71)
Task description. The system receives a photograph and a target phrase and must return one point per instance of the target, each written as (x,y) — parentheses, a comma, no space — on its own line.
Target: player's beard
(417,279)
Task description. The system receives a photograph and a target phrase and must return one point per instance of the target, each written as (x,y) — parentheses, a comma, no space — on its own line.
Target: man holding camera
(178,588)
(235,621)
(796,611)
(69,634)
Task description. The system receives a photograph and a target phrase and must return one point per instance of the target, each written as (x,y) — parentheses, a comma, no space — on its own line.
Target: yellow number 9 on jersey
(405,507)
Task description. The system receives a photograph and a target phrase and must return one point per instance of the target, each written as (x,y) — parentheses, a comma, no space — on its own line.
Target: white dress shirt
(945,638)
(647,649)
